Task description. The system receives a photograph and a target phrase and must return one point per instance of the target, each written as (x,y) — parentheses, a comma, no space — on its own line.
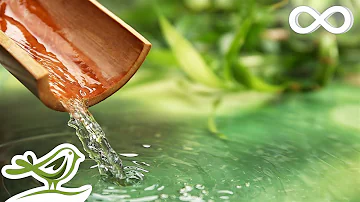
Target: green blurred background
(244,43)
(230,105)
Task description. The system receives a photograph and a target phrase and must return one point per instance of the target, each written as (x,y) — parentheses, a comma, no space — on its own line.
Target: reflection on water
(291,150)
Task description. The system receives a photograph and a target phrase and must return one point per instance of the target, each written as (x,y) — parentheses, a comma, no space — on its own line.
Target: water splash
(97,146)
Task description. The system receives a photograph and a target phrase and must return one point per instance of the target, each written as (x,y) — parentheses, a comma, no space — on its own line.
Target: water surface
(301,147)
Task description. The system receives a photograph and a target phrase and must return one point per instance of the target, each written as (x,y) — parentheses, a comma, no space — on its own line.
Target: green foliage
(290,61)
(189,59)
(195,67)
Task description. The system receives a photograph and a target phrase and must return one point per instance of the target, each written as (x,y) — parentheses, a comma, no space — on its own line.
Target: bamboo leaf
(236,45)
(188,57)
(245,77)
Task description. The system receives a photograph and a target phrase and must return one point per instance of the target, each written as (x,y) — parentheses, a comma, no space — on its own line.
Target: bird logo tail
(21,166)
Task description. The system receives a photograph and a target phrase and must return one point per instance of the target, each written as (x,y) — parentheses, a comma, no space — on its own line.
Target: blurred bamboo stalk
(329,58)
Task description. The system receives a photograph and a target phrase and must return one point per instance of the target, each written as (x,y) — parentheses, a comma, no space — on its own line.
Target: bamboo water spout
(78,43)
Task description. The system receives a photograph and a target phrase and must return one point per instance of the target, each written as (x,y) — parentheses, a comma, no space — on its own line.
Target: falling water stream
(97,146)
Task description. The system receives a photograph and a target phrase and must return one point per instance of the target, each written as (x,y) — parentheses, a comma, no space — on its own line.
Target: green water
(303,147)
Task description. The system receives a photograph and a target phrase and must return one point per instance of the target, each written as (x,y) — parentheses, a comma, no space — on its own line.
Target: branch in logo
(321,19)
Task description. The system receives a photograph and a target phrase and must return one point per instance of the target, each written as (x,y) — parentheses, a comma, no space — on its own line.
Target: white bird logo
(53,169)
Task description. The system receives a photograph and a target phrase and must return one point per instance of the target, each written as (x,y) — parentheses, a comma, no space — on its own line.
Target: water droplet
(152,187)
(225,192)
(161,188)
(204,192)
(94,166)
(200,186)
(224,197)
(129,155)
(164,196)
(188,188)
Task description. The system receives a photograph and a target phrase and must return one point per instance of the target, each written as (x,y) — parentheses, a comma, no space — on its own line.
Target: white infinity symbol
(321,19)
